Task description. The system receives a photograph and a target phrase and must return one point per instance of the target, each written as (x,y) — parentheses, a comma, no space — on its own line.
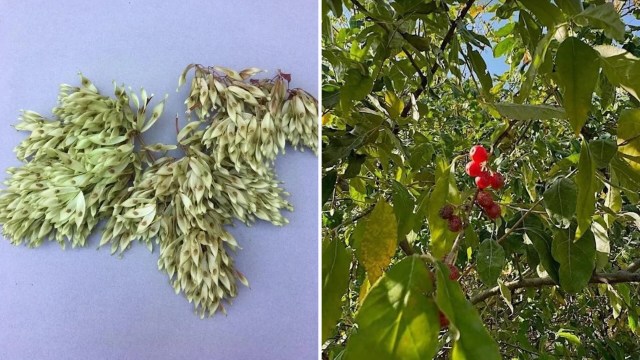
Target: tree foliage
(550,88)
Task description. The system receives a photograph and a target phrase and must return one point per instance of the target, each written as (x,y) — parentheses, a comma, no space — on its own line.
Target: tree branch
(622,276)
(447,39)
(635,266)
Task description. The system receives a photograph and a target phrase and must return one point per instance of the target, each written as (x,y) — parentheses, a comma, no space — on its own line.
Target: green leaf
(480,68)
(444,192)
(530,112)
(578,67)
(491,259)
(506,30)
(586,184)
(376,239)
(356,87)
(355,164)
(328,185)
(602,151)
(539,236)
(629,137)
(547,13)
(628,177)
(560,200)
(474,341)
(503,47)
(577,259)
(419,42)
(335,6)
(394,104)
(403,205)
(358,191)
(470,237)
(538,59)
(569,336)
(336,261)
(603,17)
(570,7)
(505,293)
(603,246)
(621,68)
(398,319)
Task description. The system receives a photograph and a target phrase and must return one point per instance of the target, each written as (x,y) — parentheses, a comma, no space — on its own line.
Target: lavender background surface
(87,304)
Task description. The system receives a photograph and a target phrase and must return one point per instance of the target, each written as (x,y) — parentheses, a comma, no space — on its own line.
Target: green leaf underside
(560,200)
(577,259)
(586,183)
(399,318)
(530,112)
(444,192)
(540,237)
(474,341)
(491,259)
(336,261)
(578,66)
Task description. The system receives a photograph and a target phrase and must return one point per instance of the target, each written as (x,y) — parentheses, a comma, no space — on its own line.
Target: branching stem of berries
(456,244)
(519,222)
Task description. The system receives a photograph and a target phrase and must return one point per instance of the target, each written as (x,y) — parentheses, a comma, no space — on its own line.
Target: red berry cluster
(478,169)
(484,178)
(454,222)
(454,274)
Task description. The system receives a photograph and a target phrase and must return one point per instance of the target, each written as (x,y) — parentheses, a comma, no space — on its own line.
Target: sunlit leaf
(399,318)
(577,65)
(336,261)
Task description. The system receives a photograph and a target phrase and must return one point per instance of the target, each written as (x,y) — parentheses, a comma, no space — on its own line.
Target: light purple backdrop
(87,304)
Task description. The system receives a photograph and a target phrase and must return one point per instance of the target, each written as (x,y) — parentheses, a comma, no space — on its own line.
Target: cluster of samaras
(81,167)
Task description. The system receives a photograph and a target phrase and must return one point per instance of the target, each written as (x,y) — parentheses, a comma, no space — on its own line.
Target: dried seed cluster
(248,121)
(81,167)
(76,166)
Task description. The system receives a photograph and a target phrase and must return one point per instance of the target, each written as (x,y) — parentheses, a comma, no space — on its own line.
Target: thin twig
(622,276)
(520,221)
(445,41)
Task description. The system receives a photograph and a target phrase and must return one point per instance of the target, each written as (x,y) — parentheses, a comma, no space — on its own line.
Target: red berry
(473,168)
(483,180)
(444,322)
(478,154)
(493,211)
(497,180)
(455,223)
(454,273)
(446,212)
(484,199)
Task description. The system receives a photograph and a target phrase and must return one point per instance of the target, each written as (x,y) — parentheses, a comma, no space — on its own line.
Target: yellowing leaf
(394,104)
(629,137)
(376,239)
